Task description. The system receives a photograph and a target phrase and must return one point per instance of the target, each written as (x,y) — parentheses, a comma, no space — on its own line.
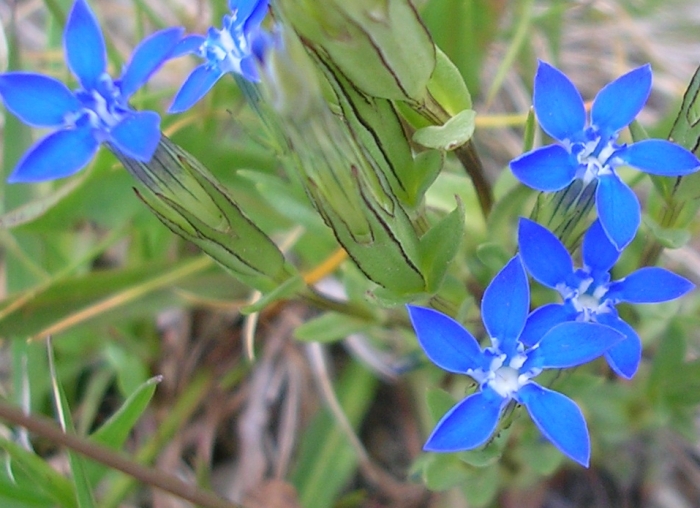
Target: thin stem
(46,428)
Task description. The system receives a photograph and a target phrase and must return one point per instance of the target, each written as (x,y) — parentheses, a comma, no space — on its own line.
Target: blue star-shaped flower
(589,150)
(588,293)
(96,112)
(505,370)
(231,49)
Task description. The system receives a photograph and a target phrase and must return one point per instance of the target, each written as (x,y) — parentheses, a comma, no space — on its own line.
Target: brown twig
(46,428)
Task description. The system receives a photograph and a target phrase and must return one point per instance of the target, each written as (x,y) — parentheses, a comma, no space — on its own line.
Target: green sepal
(447,86)
(449,136)
(671,238)
(380,45)
(193,204)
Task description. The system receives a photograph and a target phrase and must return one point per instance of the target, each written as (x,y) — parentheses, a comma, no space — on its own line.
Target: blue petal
(659,157)
(559,419)
(467,425)
(571,344)
(558,104)
(37,100)
(543,319)
(544,256)
(84,45)
(619,102)
(188,45)
(56,156)
(137,136)
(623,357)
(598,252)
(254,13)
(548,169)
(249,69)
(506,304)
(148,56)
(447,343)
(195,87)
(649,285)
(618,210)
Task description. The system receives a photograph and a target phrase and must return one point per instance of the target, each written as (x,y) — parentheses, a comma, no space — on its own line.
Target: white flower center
(506,381)
(594,159)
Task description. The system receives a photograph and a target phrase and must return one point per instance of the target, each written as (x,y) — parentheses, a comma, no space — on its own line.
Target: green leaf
(440,245)
(38,207)
(121,288)
(115,431)
(670,238)
(444,471)
(481,488)
(330,327)
(83,489)
(453,134)
(13,495)
(439,402)
(47,479)
(447,86)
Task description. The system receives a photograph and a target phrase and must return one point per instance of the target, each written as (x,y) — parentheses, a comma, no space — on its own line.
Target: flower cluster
(585,324)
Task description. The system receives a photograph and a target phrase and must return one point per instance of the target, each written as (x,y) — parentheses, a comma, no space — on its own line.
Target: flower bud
(191,202)
(381,46)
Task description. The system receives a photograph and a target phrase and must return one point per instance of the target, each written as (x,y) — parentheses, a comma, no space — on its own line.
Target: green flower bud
(381,46)
(191,202)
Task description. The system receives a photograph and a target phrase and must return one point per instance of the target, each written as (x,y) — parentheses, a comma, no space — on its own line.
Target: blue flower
(505,370)
(589,150)
(96,112)
(231,49)
(588,293)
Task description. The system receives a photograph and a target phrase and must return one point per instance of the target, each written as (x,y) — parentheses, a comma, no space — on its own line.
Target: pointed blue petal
(620,101)
(623,357)
(467,425)
(659,157)
(548,169)
(137,136)
(249,69)
(255,13)
(56,156)
(447,343)
(37,100)
(571,344)
(84,45)
(148,56)
(543,319)
(506,304)
(195,87)
(544,256)
(188,45)
(559,419)
(558,105)
(618,210)
(649,285)
(598,252)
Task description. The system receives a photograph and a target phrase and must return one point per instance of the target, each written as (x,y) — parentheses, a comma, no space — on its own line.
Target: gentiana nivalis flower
(588,293)
(97,112)
(230,49)
(589,150)
(505,370)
